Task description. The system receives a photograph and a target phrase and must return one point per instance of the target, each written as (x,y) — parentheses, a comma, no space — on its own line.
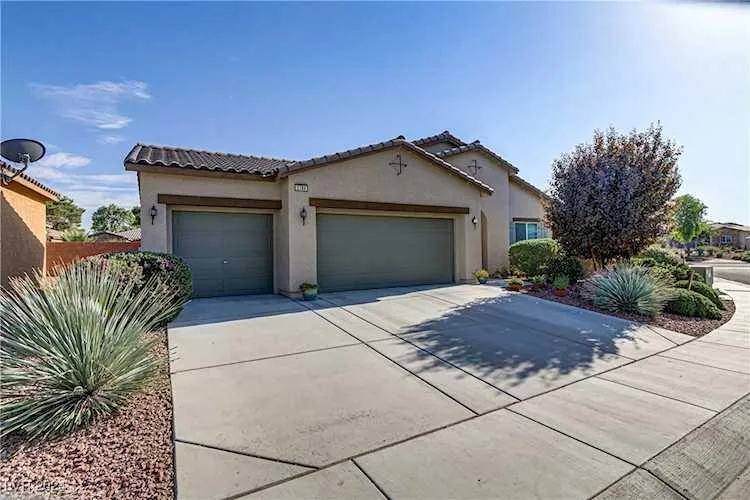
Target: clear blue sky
(530,80)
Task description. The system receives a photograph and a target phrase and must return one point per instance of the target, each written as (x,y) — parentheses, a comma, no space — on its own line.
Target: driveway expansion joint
(619,382)
(247,454)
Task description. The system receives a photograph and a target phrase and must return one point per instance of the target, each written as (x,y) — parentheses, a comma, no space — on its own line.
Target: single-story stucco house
(23,225)
(399,212)
(730,234)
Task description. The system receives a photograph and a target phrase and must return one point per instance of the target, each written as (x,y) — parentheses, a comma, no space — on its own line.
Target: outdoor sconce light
(303,215)
(153,214)
(474,221)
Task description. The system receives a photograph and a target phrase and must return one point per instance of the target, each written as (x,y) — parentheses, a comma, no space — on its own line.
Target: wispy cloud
(110,139)
(94,104)
(63,160)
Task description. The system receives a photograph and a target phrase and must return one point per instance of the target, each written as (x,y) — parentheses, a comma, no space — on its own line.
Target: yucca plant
(628,288)
(75,348)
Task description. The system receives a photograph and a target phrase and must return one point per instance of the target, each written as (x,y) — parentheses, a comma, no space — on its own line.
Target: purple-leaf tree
(611,198)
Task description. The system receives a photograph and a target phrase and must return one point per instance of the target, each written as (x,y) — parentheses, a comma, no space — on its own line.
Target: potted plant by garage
(561,285)
(538,282)
(482,276)
(309,291)
(515,284)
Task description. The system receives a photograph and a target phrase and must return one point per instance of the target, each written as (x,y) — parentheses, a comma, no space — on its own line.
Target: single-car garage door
(357,252)
(228,253)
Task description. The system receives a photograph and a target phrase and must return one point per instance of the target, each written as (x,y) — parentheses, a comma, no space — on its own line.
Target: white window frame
(726,239)
(539,230)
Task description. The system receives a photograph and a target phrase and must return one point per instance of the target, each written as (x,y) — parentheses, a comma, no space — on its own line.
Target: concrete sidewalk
(448,392)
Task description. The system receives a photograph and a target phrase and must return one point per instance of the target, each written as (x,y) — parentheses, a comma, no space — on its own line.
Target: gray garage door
(228,253)
(357,252)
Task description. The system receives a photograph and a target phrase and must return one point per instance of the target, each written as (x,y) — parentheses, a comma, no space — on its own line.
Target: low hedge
(531,256)
(142,266)
(702,289)
(690,303)
(564,265)
(661,256)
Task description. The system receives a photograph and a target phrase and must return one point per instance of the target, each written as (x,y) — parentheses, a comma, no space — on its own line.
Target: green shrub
(719,255)
(564,265)
(690,303)
(628,288)
(663,274)
(661,255)
(561,282)
(481,274)
(515,281)
(538,280)
(531,256)
(709,250)
(141,267)
(702,289)
(745,257)
(74,348)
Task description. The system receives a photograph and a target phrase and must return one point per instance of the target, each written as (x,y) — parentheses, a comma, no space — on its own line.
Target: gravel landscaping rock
(128,455)
(682,324)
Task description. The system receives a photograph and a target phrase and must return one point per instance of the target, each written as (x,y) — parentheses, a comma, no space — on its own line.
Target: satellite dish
(24,151)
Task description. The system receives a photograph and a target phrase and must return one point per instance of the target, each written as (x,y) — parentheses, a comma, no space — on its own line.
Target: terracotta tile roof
(477,146)
(167,156)
(371,148)
(444,136)
(729,225)
(13,170)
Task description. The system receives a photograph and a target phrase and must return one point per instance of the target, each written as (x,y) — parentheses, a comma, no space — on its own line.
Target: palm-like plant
(74,349)
(628,288)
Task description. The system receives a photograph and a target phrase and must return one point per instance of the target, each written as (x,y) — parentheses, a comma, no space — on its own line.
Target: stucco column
(301,241)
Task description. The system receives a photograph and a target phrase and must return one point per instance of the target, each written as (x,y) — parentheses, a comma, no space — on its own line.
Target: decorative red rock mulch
(128,455)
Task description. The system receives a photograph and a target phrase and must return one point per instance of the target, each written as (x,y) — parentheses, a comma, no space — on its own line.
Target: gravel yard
(682,324)
(128,455)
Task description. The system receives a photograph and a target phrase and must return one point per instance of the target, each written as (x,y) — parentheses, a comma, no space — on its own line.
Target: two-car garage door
(358,252)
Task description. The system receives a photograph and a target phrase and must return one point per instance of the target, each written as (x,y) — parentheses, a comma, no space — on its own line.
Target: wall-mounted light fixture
(153,213)
(474,221)
(303,215)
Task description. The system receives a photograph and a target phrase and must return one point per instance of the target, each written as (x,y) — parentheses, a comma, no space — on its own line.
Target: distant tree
(136,211)
(687,219)
(111,218)
(75,234)
(611,198)
(63,214)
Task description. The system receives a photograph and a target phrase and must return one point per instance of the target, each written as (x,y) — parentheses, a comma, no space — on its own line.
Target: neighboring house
(730,234)
(129,235)
(394,213)
(23,225)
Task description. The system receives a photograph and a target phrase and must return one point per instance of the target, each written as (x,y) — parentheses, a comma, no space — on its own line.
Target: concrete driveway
(438,392)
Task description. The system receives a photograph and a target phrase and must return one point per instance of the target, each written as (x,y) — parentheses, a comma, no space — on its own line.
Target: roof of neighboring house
(371,148)
(729,225)
(477,146)
(444,136)
(168,156)
(130,234)
(50,193)
(54,234)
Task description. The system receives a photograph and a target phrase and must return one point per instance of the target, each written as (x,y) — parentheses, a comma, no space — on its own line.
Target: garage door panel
(356,252)
(228,253)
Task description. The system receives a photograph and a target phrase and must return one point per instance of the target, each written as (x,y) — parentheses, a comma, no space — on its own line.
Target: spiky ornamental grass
(630,289)
(75,348)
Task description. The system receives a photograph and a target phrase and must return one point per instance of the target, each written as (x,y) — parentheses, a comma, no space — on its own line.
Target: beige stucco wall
(366,178)
(495,207)
(370,178)
(525,203)
(23,232)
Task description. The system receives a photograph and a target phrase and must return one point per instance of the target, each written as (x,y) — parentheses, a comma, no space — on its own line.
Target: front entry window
(526,231)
